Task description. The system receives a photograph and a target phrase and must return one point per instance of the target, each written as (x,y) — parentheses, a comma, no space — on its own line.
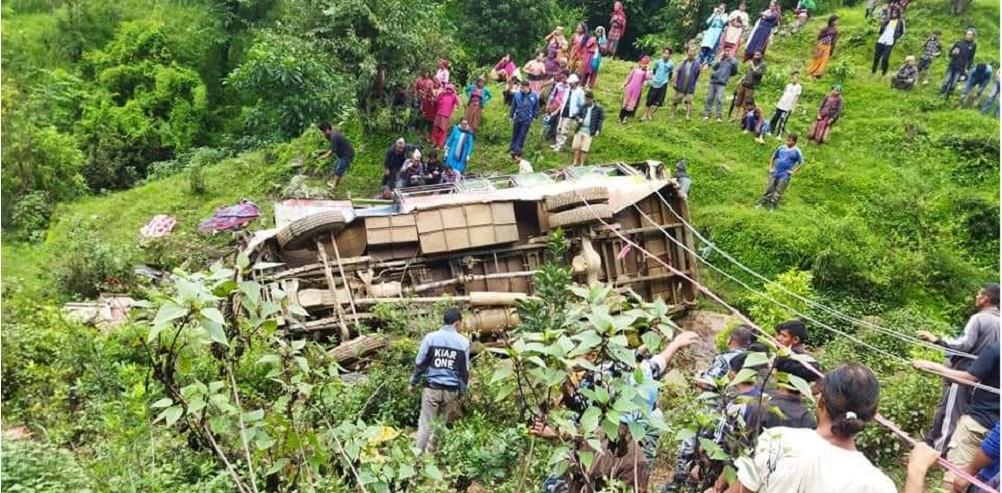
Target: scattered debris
(160,225)
(231,218)
(108,311)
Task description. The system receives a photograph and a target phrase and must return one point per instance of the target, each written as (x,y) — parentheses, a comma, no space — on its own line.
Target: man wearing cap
(524,106)
(444,361)
(569,109)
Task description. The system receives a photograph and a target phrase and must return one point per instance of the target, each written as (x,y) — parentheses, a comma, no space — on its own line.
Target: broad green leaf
(587,458)
(168,312)
(652,340)
(744,376)
(243,261)
(213,313)
(196,405)
(406,471)
(166,401)
(170,415)
(685,434)
(756,359)
(253,416)
(502,371)
(262,440)
(590,418)
(269,359)
(610,427)
(215,331)
(432,472)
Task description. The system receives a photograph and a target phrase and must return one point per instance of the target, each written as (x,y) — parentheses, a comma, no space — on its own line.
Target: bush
(31,216)
(88,265)
(38,468)
(907,399)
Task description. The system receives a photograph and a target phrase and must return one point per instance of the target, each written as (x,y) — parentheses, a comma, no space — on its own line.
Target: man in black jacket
(590,119)
(890,31)
(961,58)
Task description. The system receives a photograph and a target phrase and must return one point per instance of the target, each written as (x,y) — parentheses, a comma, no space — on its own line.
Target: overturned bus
(478,243)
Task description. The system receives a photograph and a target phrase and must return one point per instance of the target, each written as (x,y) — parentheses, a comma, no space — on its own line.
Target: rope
(883,352)
(880,419)
(831,311)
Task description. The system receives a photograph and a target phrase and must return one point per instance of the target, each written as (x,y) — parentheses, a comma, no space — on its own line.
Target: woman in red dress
(617,27)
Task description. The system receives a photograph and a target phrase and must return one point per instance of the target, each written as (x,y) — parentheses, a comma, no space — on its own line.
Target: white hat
(573,79)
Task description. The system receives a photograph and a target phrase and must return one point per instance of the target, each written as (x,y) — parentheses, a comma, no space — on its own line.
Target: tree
(286,87)
(146,108)
(377,44)
(491,29)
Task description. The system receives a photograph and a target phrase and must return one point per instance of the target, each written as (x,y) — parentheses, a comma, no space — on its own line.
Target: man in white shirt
(890,31)
(569,110)
(786,105)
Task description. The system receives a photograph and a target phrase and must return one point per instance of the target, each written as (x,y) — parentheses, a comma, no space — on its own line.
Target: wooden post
(332,286)
(344,278)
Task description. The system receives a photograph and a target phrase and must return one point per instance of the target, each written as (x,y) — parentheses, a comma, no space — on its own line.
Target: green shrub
(31,216)
(88,265)
(32,467)
(907,399)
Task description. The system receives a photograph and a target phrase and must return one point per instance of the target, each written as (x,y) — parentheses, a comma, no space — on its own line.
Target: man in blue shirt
(524,107)
(786,161)
(444,362)
(663,68)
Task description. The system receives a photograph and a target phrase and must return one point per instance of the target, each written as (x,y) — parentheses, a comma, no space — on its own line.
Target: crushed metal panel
(466,226)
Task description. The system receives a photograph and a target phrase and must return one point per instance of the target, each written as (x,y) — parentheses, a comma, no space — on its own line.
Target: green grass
(874,213)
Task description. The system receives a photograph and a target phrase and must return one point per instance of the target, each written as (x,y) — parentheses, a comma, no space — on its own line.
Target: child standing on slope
(786,105)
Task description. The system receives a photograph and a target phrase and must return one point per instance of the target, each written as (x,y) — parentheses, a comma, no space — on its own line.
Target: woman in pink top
(442,76)
(731,38)
(535,71)
(446,104)
(632,88)
(503,69)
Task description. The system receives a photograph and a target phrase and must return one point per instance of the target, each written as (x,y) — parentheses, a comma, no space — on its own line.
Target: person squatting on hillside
(589,121)
(786,104)
(930,49)
(979,76)
(906,76)
(824,460)
(824,49)
(399,152)
(981,414)
(662,73)
(786,161)
(686,79)
(749,82)
(961,58)
(829,113)
(632,88)
(767,22)
(723,70)
(443,361)
(524,107)
(890,31)
(617,28)
(981,331)
(754,121)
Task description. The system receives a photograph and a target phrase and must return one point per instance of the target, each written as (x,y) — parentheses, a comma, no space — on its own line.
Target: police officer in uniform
(444,362)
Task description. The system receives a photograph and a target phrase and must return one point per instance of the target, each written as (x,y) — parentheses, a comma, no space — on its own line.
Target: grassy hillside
(899,207)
